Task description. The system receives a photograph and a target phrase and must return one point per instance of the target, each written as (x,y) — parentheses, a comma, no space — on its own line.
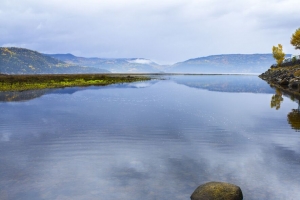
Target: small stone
(217,191)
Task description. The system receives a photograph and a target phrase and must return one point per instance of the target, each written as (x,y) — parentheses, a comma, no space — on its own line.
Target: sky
(165,31)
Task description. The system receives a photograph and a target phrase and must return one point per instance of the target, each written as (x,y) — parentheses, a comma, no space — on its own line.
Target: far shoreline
(22,82)
(186,74)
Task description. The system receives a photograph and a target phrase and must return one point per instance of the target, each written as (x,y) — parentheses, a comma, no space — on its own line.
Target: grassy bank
(42,81)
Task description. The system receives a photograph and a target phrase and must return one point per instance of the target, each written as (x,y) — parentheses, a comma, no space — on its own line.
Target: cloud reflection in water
(154,142)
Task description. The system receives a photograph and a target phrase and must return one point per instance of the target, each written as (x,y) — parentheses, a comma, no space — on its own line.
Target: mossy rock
(217,191)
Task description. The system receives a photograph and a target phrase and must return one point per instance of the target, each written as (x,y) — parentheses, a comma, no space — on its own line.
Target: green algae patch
(217,191)
(43,81)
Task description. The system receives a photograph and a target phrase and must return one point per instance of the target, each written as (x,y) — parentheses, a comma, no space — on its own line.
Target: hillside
(24,61)
(228,63)
(117,65)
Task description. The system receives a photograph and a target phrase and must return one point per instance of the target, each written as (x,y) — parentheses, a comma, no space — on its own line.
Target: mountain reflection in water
(221,83)
(150,140)
(32,94)
(226,83)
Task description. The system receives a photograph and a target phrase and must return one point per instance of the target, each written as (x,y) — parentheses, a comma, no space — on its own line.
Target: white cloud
(164,31)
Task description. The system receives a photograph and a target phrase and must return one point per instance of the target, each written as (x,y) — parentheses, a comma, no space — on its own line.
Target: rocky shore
(285,77)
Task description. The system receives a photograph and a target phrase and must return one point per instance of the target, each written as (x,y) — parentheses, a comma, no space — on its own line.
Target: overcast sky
(165,31)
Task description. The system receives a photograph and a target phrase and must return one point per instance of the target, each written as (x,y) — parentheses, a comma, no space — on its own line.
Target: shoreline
(23,82)
(47,81)
(285,78)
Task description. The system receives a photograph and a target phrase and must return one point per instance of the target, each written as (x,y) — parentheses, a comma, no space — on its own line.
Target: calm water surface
(150,140)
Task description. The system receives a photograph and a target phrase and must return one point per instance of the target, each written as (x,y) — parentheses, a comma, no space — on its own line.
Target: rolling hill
(115,65)
(227,63)
(24,61)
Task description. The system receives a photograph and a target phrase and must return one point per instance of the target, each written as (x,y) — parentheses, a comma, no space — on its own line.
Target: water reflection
(225,83)
(32,94)
(147,141)
(276,99)
(293,117)
(21,96)
(221,83)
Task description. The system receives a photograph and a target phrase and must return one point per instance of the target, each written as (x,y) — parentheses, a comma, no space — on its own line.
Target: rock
(284,82)
(217,191)
(284,78)
(294,85)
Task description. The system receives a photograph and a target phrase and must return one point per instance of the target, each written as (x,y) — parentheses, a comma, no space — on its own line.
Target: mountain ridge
(225,63)
(34,62)
(14,60)
(222,63)
(117,65)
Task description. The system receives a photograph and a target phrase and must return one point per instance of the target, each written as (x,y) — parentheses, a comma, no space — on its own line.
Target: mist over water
(149,140)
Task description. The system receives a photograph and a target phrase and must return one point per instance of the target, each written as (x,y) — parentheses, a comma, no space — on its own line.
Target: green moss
(29,82)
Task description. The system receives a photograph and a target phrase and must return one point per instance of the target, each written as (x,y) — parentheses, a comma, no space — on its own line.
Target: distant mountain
(24,61)
(116,65)
(228,63)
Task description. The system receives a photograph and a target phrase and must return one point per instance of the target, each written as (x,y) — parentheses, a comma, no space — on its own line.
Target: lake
(158,139)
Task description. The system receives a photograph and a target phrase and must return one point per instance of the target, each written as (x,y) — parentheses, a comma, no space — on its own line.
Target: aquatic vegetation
(29,82)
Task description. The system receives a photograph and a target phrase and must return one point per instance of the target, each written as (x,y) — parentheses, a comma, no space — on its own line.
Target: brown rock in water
(217,191)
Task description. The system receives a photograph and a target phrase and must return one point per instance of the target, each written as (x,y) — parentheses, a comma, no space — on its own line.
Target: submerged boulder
(217,191)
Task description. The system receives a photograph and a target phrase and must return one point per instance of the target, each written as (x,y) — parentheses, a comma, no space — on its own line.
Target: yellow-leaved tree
(295,40)
(278,54)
